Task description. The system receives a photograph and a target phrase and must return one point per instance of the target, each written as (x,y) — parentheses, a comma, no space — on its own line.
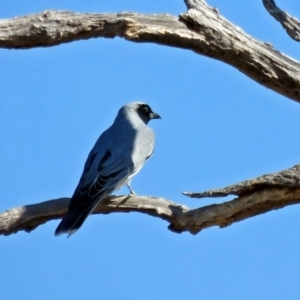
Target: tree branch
(256,196)
(286,178)
(29,217)
(289,23)
(201,30)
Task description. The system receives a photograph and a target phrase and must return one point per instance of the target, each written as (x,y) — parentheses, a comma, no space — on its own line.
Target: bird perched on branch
(118,155)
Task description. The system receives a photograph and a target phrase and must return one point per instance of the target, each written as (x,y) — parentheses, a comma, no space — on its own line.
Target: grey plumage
(118,155)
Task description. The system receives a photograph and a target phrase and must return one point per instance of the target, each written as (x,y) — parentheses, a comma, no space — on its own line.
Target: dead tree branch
(201,29)
(256,196)
(289,23)
(286,178)
(29,217)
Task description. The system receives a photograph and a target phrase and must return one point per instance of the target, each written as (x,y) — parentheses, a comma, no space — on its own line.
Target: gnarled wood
(289,23)
(286,178)
(29,217)
(201,30)
(256,196)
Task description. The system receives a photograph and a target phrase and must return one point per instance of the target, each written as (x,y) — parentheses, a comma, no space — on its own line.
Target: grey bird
(118,155)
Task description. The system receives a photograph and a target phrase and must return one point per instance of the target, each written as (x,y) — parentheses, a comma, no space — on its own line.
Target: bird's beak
(154,115)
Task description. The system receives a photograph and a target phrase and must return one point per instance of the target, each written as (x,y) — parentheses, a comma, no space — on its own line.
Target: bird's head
(144,111)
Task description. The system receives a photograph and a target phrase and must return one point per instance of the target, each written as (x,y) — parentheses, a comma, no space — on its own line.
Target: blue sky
(218,127)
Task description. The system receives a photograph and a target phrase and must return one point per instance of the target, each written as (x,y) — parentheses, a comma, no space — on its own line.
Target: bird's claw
(131,191)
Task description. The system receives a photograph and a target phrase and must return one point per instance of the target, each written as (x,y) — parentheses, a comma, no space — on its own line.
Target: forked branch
(201,29)
(256,196)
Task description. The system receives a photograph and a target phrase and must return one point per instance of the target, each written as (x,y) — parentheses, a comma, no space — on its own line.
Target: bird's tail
(79,209)
(71,222)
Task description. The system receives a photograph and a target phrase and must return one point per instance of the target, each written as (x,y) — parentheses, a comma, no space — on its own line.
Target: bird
(117,156)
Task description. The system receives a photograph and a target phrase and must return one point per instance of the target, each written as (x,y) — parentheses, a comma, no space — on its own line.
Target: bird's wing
(100,177)
(102,174)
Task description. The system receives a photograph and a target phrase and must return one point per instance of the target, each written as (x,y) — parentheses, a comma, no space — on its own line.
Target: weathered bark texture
(289,23)
(201,29)
(256,196)
(286,178)
(29,217)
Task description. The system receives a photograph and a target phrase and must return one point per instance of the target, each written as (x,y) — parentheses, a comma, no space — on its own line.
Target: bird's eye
(146,109)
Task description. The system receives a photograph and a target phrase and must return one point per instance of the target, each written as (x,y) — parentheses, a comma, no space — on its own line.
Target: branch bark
(256,196)
(201,29)
(286,178)
(289,23)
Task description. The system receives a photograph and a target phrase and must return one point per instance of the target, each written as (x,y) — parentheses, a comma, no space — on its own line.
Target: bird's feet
(132,192)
